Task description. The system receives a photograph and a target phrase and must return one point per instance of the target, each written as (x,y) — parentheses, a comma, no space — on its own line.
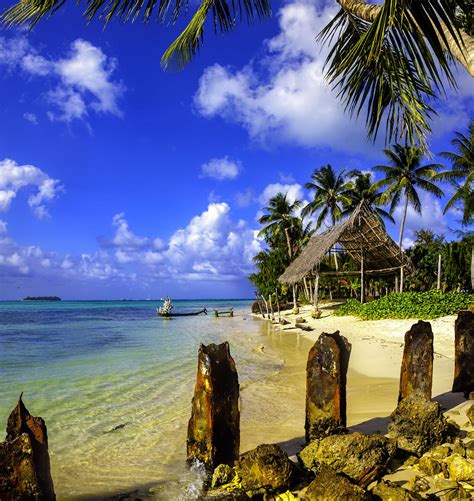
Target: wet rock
(470,414)
(266,468)
(429,465)
(362,458)
(388,491)
(25,457)
(417,363)
(449,490)
(417,425)
(326,372)
(459,468)
(328,486)
(223,474)
(464,353)
(214,426)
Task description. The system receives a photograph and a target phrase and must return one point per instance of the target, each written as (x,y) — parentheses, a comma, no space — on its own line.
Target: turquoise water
(89,367)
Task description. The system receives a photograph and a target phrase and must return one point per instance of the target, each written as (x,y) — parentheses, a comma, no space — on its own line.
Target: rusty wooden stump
(326,374)
(464,352)
(214,426)
(417,364)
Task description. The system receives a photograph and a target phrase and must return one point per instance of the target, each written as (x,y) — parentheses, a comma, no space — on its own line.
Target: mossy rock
(388,491)
(429,465)
(223,474)
(459,468)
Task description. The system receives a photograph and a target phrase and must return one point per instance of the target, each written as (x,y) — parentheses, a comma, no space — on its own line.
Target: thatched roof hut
(363,237)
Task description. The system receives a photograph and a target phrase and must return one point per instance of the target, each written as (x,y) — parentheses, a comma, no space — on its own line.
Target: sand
(373,377)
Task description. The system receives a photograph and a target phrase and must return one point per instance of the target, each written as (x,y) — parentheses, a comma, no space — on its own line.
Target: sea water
(114,383)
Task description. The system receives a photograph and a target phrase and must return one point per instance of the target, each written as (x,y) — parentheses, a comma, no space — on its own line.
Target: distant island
(42,298)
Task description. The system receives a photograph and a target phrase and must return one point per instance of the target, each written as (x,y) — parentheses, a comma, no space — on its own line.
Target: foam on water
(114,383)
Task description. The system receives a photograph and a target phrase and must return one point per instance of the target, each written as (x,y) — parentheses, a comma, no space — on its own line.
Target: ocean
(114,383)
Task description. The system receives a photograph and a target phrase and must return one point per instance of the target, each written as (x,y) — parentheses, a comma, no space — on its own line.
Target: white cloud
(83,81)
(284,96)
(221,169)
(124,238)
(293,192)
(3,227)
(31,117)
(244,198)
(13,177)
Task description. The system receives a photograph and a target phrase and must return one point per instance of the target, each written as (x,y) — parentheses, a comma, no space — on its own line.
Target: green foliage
(424,305)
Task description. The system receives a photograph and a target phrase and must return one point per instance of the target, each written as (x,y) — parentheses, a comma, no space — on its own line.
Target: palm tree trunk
(472,268)
(464,55)
(402,227)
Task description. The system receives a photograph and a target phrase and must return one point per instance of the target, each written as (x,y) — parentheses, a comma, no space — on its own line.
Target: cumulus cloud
(293,192)
(13,177)
(284,95)
(31,117)
(83,80)
(221,169)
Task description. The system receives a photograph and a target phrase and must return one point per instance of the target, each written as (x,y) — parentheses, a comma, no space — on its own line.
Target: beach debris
(166,308)
(418,425)
(304,327)
(24,459)
(214,426)
(464,352)
(316,314)
(116,428)
(223,474)
(266,467)
(326,373)
(417,363)
(389,490)
(284,321)
(332,487)
(300,320)
(362,458)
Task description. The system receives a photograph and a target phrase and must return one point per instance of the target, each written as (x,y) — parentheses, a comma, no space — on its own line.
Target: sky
(121,180)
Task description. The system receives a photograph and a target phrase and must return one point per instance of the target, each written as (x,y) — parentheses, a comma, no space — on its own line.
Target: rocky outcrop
(464,353)
(214,426)
(362,458)
(417,363)
(326,373)
(329,486)
(266,468)
(386,490)
(417,425)
(24,459)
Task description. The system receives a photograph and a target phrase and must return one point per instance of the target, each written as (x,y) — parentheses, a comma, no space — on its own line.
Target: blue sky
(118,179)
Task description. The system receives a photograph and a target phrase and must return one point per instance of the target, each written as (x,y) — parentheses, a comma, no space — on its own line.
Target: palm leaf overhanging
(224,16)
(391,60)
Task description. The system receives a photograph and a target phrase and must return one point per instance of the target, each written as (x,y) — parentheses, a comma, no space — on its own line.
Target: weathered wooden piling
(417,364)
(214,426)
(24,459)
(326,375)
(464,352)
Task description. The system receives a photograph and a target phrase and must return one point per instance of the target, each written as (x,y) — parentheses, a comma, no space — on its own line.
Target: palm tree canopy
(461,174)
(330,194)
(404,174)
(361,188)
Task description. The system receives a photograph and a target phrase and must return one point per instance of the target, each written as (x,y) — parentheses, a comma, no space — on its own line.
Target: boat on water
(166,310)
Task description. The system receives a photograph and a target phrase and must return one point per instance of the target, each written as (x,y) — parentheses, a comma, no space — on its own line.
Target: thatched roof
(362,232)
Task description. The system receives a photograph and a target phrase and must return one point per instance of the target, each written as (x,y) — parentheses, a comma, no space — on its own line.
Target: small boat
(188,314)
(165,310)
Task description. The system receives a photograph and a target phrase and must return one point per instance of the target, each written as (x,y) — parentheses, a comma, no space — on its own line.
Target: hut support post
(438,285)
(316,292)
(401,278)
(294,296)
(362,285)
(396,283)
(308,295)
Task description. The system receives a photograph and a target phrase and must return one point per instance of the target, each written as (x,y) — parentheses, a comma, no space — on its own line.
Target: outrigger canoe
(190,314)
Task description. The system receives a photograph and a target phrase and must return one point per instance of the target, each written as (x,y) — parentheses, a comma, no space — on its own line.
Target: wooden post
(362,285)
(295,305)
(278,305)
(316,291)
(396,283)
(401,278)
(308,295)
(438,285)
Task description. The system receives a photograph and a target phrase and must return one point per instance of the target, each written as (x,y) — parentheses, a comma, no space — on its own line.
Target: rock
(326,372)
(214,426)
(300,320)
(316,314)
(429,465)
(388,491)
(440,452)
(449,490)
(417,363)
(458,447)
(223,474)
(295,310)
(362,458)
(459,468)
(25,455)
(464,353)
(470,414)
(328,486)
(418,425)
(267,467)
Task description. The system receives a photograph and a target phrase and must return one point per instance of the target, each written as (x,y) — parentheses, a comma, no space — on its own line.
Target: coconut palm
(361,188)
(402,178)
(330,195)
(390,58)
(461,174)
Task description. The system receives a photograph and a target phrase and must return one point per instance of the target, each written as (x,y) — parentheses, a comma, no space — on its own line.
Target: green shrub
(422,305)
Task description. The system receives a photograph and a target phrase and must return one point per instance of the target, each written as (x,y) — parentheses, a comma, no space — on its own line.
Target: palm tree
(361,188)
(392,58)
(461,174)
(402,178)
